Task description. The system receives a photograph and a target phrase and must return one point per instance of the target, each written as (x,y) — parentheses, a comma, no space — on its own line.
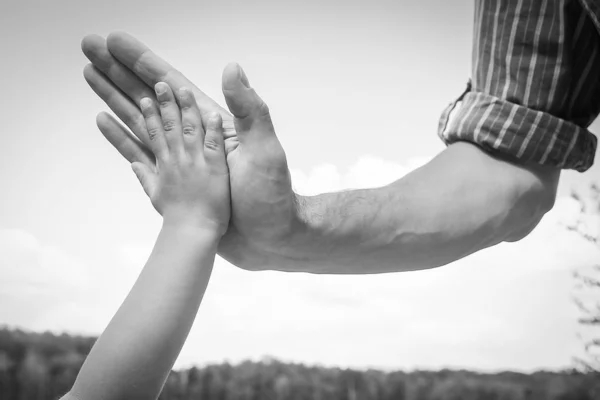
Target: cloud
(40,267)
(367,172)
(43,287)
(37,280)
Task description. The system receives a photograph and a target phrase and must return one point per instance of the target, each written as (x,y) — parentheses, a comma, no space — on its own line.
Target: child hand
(190,184)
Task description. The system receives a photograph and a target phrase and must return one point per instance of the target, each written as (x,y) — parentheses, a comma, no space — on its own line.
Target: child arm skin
(189,187)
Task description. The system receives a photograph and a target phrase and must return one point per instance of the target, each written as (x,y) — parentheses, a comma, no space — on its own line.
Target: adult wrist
(288,247)
(299,225)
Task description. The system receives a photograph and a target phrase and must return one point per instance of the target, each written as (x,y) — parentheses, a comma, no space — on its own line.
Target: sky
(76,227)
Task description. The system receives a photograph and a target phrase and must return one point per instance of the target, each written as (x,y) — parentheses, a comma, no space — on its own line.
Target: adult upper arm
(535,85)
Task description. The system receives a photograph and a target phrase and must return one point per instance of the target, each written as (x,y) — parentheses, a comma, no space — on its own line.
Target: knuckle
(139,63)
(169,125)
(189,130)
(153,133)
(211,144)
(262,109)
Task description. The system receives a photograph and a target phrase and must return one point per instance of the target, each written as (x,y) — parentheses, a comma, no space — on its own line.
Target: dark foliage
(43,366)
(591,281)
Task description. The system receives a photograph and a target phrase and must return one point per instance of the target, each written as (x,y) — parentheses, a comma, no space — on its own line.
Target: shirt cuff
(517,132)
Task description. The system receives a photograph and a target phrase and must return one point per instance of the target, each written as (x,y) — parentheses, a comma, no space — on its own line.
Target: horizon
(267,359)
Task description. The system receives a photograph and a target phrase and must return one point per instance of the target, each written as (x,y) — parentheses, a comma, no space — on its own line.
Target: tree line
(43,366)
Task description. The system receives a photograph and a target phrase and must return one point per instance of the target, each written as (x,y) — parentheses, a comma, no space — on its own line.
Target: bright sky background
(355,92)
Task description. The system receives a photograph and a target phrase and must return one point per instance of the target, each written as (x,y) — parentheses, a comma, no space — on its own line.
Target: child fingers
(191,120)
(171,118)
(154,126)
(214,144)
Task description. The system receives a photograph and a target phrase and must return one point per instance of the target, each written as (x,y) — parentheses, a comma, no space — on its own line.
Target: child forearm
(134,355)
(189,187)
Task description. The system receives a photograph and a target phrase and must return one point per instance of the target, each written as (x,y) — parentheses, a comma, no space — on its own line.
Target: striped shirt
(535,82)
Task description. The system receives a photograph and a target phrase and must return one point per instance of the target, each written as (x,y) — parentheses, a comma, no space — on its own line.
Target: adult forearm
(462,201)
(134,355)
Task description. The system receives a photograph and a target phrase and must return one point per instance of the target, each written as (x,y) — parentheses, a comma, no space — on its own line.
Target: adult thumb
(252,116)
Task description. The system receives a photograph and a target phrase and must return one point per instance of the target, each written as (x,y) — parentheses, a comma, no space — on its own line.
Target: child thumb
(145,176)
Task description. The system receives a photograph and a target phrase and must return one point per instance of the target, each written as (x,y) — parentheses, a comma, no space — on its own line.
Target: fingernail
(145,103)
(214,119)
(183,91)
(160,88)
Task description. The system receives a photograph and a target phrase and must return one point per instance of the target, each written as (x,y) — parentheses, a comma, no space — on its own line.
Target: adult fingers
(125,143)
(152,69)
(252,116)
(121,105)
(95,49)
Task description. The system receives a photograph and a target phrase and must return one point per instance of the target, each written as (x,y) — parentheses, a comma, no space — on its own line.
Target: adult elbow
(534,194)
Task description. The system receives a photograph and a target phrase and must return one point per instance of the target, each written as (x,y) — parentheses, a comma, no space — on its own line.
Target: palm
(261,192)
(262,199)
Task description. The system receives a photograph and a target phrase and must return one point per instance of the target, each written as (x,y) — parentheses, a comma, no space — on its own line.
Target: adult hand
(124,70)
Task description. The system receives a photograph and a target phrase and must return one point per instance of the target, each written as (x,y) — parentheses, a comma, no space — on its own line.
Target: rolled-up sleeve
(535,83)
